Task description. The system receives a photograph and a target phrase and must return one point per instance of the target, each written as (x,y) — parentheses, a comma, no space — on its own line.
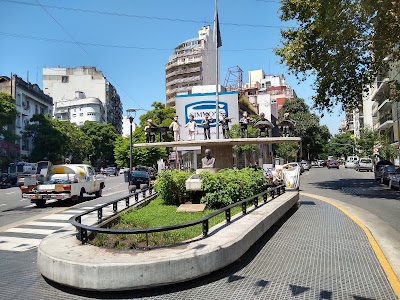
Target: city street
(21,221)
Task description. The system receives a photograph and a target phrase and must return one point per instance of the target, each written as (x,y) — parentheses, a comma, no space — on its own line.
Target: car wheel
(80,197)
(99,193)
(41,203)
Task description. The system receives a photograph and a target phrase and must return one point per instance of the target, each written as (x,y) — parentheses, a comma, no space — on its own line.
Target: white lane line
(2,204)
(23,199)
(57,217)
(10,193)
(31,230)
(44,224)
(18,244)
(87,207)
(28,206)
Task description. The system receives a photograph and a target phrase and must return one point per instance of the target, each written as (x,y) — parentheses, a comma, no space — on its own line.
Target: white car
(365,164)
(123,170)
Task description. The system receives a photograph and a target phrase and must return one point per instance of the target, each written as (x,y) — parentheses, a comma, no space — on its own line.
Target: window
(36,109)
(81,114)
(73,115)
(18,121)
(64,79)
(18,99)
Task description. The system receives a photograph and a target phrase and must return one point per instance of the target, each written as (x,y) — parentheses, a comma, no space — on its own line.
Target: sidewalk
(316,252)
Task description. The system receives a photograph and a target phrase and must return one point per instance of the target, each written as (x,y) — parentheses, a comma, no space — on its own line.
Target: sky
(130,41)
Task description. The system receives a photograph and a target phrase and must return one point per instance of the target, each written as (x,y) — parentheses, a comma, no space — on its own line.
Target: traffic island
(63,259)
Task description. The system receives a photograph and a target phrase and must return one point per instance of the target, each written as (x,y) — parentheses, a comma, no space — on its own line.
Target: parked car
(386,172)
(333,164)
(351,162)
(297,165)
(139,180)
(364,164)
(152,172)
(306,165)
(123,170)
(378,168)
(394,179)
(5,181)
(111,171)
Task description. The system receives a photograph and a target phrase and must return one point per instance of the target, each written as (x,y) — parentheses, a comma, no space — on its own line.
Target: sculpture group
(263,125)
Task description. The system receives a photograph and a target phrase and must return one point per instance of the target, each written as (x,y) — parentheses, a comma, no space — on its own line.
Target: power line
(80,46)
(15,35)
(141,16)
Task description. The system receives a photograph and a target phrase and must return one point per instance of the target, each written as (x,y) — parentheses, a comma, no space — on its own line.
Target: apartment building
(63,83)
(80,109)
(30,100)
(192,64)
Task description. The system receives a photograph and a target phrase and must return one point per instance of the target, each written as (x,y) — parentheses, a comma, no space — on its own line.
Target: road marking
(51,224)
(390,274)
(63,217)
(10,193)
(31,230)
(18,244)
(23,199)
(2,204)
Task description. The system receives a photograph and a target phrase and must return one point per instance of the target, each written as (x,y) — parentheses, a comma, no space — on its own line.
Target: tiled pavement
(317,252)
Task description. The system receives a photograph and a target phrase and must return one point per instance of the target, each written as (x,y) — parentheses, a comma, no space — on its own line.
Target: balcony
(386,121)
(185,62)
(380,88)
(183,71)
(184,80)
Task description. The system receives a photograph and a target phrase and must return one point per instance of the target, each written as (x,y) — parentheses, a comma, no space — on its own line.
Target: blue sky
(131,41)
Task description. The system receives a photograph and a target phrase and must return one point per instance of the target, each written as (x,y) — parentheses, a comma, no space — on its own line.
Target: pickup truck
(62,182)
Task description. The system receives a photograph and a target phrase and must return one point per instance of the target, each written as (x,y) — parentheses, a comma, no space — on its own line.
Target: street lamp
(131,116)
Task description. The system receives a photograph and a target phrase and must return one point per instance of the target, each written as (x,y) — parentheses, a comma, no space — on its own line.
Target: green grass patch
(156,214)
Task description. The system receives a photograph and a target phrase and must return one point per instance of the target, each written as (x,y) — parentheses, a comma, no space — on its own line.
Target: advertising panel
(200,104)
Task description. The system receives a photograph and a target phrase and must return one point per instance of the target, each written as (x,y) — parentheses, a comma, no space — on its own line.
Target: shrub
(231,185)
(170,185)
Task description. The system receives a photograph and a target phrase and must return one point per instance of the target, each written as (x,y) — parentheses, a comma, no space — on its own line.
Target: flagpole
(216,68)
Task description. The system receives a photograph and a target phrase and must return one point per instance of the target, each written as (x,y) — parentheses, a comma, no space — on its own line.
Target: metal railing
(268,195)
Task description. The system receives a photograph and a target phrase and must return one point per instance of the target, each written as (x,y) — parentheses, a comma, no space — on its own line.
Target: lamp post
(131,113)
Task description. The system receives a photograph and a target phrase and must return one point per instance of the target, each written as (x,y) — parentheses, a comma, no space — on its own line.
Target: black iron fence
(268,195)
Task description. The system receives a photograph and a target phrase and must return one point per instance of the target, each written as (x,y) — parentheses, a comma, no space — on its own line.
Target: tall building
(30,100)
(193,63)
(63,83)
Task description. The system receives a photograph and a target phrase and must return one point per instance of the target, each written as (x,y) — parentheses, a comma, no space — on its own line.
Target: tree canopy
(345,44)
(8,114)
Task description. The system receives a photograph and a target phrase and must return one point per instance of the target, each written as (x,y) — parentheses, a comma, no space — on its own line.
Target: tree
(343,43)
(367,141)
(77,145)
(48,141)
(288,151)
(386,149)
(313,135)
(341,144)
(102,138)
(8,113)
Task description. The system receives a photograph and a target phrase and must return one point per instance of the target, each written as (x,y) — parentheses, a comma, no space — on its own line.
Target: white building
(80,109)
(62,83)
(193,63)
(126,124)
(30,100)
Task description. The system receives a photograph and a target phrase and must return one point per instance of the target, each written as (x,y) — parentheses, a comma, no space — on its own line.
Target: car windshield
(366,161)
(139,174)
(390,168)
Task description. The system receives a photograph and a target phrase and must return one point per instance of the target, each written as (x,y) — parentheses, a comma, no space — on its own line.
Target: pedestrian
(224,122)
(206,125)
(175,127)
(192,125)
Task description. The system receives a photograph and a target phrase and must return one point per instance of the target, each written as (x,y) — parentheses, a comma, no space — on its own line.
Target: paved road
(242,280)
(356,188)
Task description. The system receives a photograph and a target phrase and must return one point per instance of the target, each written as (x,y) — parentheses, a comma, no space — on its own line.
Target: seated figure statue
(286,126)
(208,161)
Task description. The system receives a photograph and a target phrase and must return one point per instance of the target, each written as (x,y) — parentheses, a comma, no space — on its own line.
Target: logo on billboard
(198,110)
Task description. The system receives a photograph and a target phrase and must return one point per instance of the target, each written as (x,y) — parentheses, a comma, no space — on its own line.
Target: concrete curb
(63,259)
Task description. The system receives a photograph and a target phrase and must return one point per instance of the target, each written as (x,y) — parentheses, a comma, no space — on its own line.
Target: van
(351,161)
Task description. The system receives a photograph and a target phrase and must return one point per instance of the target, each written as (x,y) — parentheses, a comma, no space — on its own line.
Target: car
(351,162)
(297,165)
(386,172)
(5,181)
(139,180)
(152,172)
(333,164)
(394,179)
(378,168)
(306,165)
(111,171)
(123,170)
(364,164)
